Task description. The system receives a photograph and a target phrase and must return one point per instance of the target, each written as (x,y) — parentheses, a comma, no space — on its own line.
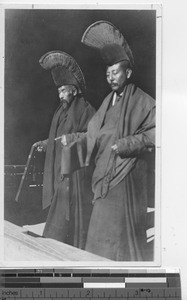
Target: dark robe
(120,182)
(68,216)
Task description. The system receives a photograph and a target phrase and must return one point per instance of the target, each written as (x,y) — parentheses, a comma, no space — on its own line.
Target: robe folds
(123,183)
(66,221)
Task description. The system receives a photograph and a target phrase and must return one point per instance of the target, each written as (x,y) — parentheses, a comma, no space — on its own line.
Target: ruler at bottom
(89,284)
(104,293)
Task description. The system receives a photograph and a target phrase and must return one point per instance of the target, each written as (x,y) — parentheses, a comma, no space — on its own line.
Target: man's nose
(111,78)
(60,96)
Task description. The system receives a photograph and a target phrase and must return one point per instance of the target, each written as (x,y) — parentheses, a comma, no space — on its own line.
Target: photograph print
(81,153)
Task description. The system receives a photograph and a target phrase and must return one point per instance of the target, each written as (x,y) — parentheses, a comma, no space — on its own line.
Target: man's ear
(128,72)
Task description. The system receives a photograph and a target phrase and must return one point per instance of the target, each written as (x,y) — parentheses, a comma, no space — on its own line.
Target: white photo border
(157,244)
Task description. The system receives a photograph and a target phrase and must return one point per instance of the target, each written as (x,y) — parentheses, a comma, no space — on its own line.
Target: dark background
(30,94)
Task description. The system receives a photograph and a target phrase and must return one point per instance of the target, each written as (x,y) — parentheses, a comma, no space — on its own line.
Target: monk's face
(117,76)
(66,94)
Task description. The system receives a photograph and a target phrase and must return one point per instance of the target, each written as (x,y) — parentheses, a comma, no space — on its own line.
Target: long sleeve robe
(68,216)
(120,183)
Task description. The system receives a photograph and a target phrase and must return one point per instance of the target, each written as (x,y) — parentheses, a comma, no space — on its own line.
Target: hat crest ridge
(53,59)
(103,33)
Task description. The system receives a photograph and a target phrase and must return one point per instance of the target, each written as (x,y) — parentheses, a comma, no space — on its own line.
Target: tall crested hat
(64,69)
(104,36)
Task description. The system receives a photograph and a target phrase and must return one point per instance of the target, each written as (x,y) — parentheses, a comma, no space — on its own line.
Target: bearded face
(66,94)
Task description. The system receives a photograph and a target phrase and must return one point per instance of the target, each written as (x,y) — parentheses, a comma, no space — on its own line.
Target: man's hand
(64,140)
(41,145)
(115,148)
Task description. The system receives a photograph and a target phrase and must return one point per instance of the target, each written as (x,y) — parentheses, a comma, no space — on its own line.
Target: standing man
(121,136)
(69,211)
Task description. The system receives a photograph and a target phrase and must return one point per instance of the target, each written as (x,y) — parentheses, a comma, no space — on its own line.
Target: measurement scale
(109,284)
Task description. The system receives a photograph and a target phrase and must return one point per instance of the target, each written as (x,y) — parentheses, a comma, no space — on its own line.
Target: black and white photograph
(82,135)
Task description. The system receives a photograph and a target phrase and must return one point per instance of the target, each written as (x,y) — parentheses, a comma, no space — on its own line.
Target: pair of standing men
(120,138)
